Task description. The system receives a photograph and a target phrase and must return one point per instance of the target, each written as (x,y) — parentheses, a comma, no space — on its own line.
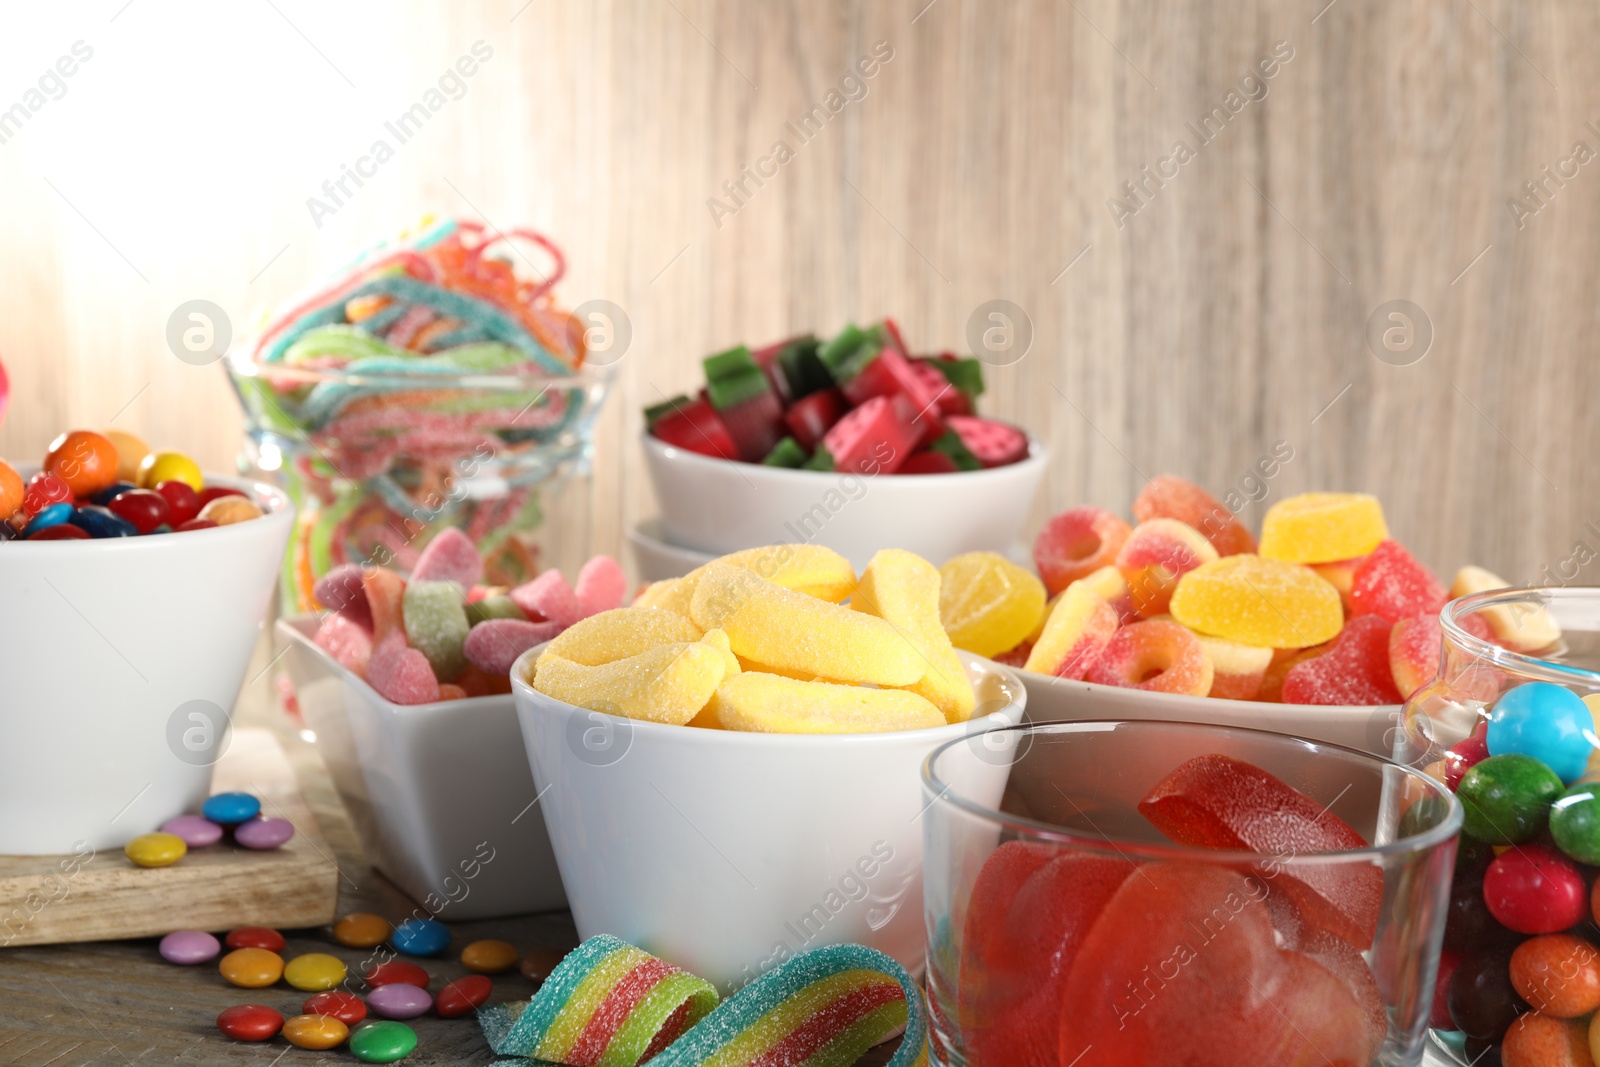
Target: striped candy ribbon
(609,1004)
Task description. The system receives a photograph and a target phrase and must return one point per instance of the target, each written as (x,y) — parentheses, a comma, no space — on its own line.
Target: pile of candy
(759,640)
(1521,966)
(1062,947)
(858,402)
(1329,610)
(442,635)
(415,392)
(112,485)
(237,814)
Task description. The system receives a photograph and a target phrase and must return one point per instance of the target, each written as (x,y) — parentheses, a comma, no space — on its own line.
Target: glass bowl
(1064,928)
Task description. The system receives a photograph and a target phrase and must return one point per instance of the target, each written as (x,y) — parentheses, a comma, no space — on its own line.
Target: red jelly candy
(348,642)
(1220,802)
(344,1006)
(255,937)
(549,597)
(181,498)
(250,1022)
(400,674)
(1076,543)
(812,416)
(694,426)
(875,438)
(43,490)
(1354,672)
(398,972)
(450,557)
(145,508)
(1390,583)
(211,492)
(996,444)
(929,462)
(1166,496)
(463,995)
(1533,889)
(1002,875)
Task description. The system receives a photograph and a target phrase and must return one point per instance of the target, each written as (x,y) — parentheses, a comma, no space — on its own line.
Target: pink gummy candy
(1392,584)
(548,597)
(346,641)
(384,589)
(1354,672)
(601,585)
(450,557)
(341,590)
(494,645)
(400,673)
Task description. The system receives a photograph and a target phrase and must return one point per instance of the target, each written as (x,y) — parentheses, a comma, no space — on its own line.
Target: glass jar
(1543,645)
(1064,928)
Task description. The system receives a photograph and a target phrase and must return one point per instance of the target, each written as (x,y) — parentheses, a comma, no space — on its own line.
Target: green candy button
(383,1042)
(1575,822)
(1506,799)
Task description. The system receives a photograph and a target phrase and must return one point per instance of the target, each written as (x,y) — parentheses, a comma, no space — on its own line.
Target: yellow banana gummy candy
(902,589)
(620,633)
(667,684)
(772,704)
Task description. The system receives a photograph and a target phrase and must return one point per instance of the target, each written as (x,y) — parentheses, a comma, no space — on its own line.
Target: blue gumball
(1545,721)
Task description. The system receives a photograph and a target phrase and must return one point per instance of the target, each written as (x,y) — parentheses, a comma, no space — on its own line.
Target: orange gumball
(10,490)
(85,460)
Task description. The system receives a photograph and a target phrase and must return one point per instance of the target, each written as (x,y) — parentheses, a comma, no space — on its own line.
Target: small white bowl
(726,852)
(1370,729)
(720,506)
(440,793)
(122,658)
(656,558)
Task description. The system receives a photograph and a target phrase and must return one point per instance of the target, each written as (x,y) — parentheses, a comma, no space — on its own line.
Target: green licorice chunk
(951,445)
(821,460)
(849,352)
(802,369)
(732,377)
(965,374)
(786,453)
(656,412)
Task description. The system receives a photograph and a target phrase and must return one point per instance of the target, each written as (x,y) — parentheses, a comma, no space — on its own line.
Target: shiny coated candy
(391,971)
(97,521)
(183,503)
(250,1022)
(1558,974)
(1506,800)
(421,937)
(1548,722)
(229,509)
(144,509)
(362,930)
(314,971)
(315,1031)
(155,850)
(44,488)
(188,947)
(399,1000)
(538,963)
(251,968)
(1482,1000)
(340,1004)
(463,995)
(131,451)
(160,467)
(85,460)
(1575,823)
(230,808)
(489,957)
(382,1042)
(11,490)
(62,531)
(197,832)
(111,492)
(1535,890)
(256,937)
(49,515)
(263,833)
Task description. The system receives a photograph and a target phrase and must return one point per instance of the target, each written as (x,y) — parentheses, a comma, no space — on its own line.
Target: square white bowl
(433,789)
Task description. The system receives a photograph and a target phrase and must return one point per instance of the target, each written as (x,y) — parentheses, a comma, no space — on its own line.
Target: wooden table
(118,1002)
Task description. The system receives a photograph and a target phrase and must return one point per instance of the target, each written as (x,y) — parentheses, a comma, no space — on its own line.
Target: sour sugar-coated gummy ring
(1157,655)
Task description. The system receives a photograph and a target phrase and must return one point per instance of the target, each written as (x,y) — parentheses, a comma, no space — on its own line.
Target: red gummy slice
(1166,496)
(1024,926)
(450,557)
(1390,583)
(929,462)
(812,416)
(401,674)
(755,424)
(1219,802)
(996,444)
(952,401)
(1182,968)
(875,438)
(696,427)
(1354,672)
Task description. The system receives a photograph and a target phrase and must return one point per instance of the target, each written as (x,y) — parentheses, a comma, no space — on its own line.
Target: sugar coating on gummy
(1075,634)
(346,641)
(1258,601)
(815,570)
(343,591)
(385,591)
(670,683)
(449,557)
(1414,646)
(1166,496)
(620,633)
(771,703)
(1354,672)
(773,625)
(549,596)
(1323,527)
(1076,543)
(1154,655)
(995,444)
(987,603)
(1524,626)
(493,646)
(902,589)
(1391,583)
(436,625)
(601,586)
(401,674)
(1237,669)
(1156,555)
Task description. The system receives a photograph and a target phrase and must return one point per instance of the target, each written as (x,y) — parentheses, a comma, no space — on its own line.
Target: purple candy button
(189,947)
(399,1001)
(263,833)
(196,832)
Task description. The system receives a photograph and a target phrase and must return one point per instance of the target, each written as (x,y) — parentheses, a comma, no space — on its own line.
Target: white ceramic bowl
(656,558)
(724,852)
(1370,729)
(720,506)
(433,789)
(122,658)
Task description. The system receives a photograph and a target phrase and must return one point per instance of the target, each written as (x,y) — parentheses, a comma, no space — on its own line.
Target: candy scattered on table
(196,831)
(392,971)
(250,1022)
(229,809)
(382,1042)
(314,972)
(338,1003)
(399,1000)
(256,937)
(362,930)
(155,850)
(263,833)
(421,937)
(315,1031)
(188,947)
(858,402)
(251,968)
(489,957)
(466,994)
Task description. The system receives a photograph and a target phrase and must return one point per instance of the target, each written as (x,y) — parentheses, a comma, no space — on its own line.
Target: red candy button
(346,1007)
(398,971)
(463,995)
(256,937)
(1533,889)
(250,1022)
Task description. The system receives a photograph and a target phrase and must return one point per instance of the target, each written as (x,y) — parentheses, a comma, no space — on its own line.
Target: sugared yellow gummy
(620,633)
(810,569)
(800,634)
(769,703)
(987,603)
(902,589)
(669,683)
(1523,626)
(1323,527)
(1255,601)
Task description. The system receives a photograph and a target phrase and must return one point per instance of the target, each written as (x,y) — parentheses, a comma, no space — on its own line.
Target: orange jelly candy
(1166,496)
(1157,655)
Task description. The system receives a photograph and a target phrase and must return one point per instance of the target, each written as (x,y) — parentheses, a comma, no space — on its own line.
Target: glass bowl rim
(1036,829)
(1521,662)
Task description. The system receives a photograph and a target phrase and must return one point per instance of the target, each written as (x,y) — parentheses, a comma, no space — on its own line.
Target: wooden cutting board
(103,896)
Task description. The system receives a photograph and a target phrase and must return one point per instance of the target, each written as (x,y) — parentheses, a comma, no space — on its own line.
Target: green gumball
(1506,799)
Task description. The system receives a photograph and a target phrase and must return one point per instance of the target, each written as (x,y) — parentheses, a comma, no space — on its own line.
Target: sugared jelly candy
(1258,601)
(1113,588)
(1391,583)
(1220,802)
(10,490)
(401,674)
(1466,754)
(600,586)
(1340,574)
(1535,890)
(347,642)
(1322,527)
(1237,669)
(436,625)
(623,632)
(1548,722)
(449,557)
(1524,626)
(669,683)
(1558,975)
(1538,1040)
(1074,635)
(902,589)
(1414,646)
(1354,672)
(771,703)
(1575,823)
(159,467)
(1157,655)
(797,633)
(1155,556)
(385,598)
(1076,543)
(987,603)
(548,597)
(815,570)
(493,646)
(995,444)
(1166,496)
(85,460)
(1506,800)
(875,438)
(342,590)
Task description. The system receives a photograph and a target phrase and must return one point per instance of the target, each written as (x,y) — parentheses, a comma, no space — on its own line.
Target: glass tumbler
(1065,929)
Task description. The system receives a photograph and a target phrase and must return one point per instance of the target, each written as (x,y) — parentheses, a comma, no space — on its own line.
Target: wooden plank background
(1227,314)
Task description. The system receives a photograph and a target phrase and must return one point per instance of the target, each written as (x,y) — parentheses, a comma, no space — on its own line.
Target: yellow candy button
(156,850)
(251,968)
(160,467)
(315,1031)
(314,972)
